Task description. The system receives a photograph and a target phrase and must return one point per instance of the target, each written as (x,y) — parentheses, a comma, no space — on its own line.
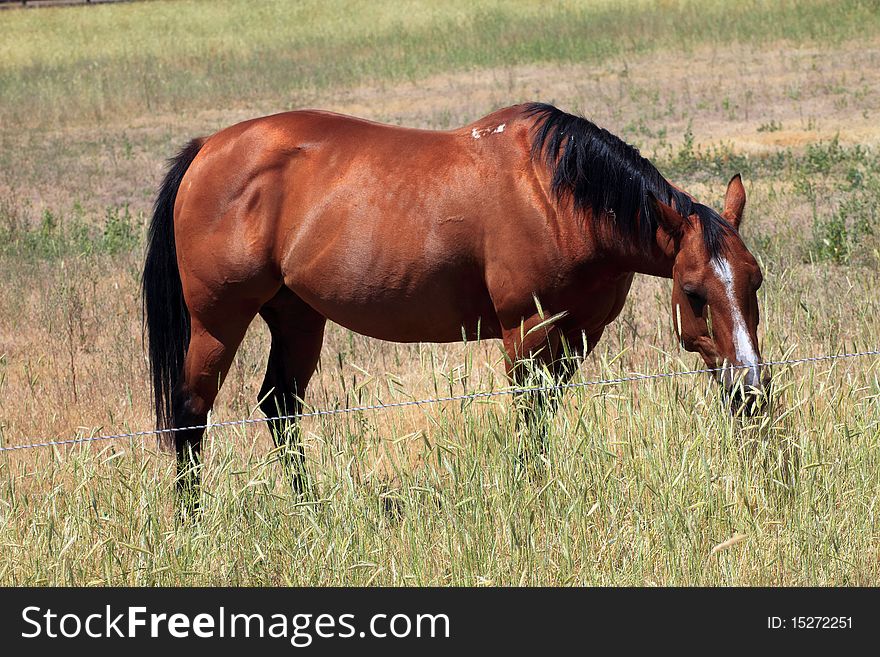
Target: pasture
(642,481)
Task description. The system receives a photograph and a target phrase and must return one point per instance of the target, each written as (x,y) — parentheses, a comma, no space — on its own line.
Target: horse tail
(166,317)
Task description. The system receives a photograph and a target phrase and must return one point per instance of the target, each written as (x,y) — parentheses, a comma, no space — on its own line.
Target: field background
(641,481)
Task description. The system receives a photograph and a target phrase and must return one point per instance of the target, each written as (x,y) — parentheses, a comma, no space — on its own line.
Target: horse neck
(630,255)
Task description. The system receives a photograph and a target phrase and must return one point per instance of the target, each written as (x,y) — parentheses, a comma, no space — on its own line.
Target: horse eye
(697,301)
(693,295)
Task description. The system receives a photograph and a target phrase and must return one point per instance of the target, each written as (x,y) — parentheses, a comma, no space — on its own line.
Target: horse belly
(394,290)
(443,311)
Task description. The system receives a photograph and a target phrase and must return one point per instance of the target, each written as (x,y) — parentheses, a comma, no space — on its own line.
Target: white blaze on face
(746,354)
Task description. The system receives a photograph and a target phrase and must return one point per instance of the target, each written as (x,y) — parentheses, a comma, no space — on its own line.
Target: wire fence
(436,400)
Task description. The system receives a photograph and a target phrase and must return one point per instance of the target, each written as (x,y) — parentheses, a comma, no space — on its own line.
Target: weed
(771,126)
(57,236)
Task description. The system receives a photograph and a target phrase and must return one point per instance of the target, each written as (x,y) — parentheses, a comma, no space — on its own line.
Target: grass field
(642,481)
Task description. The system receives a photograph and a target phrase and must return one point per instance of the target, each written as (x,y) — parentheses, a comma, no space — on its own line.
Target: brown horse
(415,235)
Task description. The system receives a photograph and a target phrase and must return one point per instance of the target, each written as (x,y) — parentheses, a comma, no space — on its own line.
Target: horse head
(714,296)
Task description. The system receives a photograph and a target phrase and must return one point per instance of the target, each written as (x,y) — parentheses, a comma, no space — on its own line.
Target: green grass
(71,235)
(113,62)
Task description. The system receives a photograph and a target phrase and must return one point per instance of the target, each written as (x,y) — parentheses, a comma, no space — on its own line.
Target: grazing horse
(425,236)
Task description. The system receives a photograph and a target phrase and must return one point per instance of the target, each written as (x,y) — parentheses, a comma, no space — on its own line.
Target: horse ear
(734,201)
(670,221)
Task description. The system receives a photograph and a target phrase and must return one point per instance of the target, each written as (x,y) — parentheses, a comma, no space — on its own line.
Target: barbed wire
(436,400)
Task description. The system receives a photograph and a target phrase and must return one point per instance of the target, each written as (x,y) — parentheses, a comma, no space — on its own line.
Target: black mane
(602,173)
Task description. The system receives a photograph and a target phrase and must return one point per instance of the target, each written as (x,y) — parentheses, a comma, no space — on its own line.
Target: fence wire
(436,400)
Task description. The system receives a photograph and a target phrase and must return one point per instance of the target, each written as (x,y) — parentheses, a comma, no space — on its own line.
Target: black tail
(166,318)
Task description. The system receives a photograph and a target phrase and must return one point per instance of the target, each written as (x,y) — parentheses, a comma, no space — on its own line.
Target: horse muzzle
(747,389)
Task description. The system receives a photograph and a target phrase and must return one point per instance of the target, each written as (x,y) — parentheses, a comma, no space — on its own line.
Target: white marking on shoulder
(476,133)
(742,341)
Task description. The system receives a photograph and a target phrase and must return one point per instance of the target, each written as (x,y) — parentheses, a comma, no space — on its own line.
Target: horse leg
(297,337)
(528,352)
(211,349)
(562,368)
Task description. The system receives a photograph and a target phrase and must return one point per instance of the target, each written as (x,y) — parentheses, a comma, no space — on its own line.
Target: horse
(414,235)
